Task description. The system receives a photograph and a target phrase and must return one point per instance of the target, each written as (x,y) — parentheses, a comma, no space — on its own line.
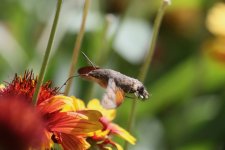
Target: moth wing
(113,96)
(85,70)
(84,73)
(119,96)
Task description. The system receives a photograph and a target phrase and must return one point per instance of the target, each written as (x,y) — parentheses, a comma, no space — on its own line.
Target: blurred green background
(186,110)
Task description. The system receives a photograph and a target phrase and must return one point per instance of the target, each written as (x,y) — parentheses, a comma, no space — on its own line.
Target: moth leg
(136,94)
(130,97)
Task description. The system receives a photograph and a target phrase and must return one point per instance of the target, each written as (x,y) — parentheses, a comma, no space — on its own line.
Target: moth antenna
(93,65)
(67,81)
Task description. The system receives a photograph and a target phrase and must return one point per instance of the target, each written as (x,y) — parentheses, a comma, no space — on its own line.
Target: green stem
(47,53)
(104,50)
(147,62)
(77,46)
(57,146)
(157,23)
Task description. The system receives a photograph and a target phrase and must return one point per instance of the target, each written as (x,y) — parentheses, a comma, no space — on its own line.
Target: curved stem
(47,53)
(157,23)
(77,46)
(146,65)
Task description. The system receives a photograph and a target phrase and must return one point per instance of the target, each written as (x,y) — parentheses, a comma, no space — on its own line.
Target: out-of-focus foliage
(186,110)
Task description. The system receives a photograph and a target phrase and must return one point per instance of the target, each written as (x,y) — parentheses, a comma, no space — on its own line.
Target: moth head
(142,92)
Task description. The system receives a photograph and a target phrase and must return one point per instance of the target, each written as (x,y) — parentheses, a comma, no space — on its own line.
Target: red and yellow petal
(115,129)
(56,103)
(99,135)
(71,123)
(108,144)
(92,115)
(70,142)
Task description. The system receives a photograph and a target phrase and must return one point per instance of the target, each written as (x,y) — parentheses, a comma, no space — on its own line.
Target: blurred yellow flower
(215,21)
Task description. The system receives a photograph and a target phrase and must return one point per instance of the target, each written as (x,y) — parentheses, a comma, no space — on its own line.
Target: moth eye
(141,89)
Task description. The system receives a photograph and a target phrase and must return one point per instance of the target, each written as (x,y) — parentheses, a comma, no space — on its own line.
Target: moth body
(115,83)
(126,83)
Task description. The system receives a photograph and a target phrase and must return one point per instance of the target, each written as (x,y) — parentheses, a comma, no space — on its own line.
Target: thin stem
(47,53)
(57,146)
(77,46)
(107,45)
(157,23)
(147,62)
(104,50)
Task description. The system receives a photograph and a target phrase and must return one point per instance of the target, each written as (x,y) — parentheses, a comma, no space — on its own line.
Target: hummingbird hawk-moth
(116,84)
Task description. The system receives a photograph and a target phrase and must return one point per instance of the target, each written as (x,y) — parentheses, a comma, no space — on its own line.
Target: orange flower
(24,87)
(63,124)
(103,138)
(68,128)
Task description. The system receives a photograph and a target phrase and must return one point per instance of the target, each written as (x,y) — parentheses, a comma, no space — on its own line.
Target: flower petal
(56,103)
(115,129)
(92,115)
(95,104)
(99,135)
(119,147)
(78,104)
(107,148)
(71,123)
(70,142)
(108,144)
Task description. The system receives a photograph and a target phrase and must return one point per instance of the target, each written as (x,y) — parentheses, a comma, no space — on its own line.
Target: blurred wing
(113,97)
